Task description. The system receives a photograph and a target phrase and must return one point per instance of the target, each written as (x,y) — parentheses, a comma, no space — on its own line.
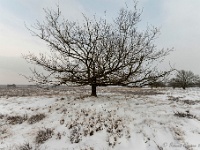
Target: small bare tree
(184,79)
(96,52)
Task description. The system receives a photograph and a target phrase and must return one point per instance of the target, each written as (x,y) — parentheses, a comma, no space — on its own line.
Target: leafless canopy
(97,52)
(185,79)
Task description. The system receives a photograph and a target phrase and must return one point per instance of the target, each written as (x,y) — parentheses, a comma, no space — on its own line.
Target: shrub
(184,115)
(17,119)
(115,127)
(4,132)
(75,136)
(25,146)
(36,118)
(1,116)
(43,135)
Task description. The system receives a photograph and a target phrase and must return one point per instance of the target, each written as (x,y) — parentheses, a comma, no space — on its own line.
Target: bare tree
(184,79)
(96,52)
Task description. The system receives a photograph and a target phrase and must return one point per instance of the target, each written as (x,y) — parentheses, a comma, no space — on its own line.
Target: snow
(119,118)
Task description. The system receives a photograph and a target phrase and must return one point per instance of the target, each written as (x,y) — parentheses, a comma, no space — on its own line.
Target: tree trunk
(94,87)
(94,90)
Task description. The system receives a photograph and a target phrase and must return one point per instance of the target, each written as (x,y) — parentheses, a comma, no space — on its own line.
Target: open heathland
(119,118)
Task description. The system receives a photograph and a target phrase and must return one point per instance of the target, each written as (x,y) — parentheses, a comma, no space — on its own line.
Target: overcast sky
(179,21)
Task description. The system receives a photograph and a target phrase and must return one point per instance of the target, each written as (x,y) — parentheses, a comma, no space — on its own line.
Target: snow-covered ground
(119,118)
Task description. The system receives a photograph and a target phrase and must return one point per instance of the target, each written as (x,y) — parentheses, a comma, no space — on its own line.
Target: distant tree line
(182,79)
(11,86)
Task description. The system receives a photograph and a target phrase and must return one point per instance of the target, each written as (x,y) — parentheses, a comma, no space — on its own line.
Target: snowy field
(119,118)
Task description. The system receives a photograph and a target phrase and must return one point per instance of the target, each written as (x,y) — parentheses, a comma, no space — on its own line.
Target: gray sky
(179,21)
